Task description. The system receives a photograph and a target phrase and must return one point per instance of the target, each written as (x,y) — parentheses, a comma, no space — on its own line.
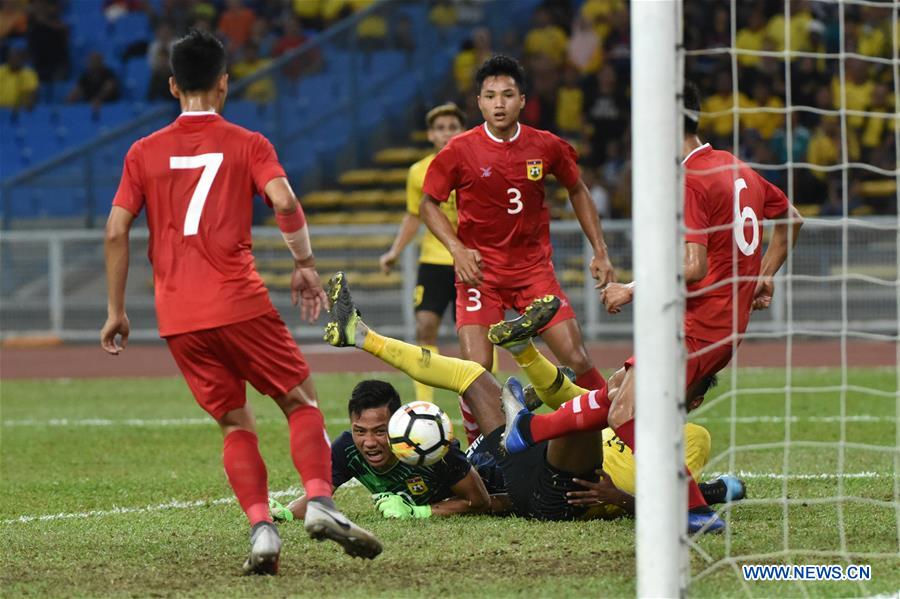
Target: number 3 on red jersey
(210,164)
(741,217)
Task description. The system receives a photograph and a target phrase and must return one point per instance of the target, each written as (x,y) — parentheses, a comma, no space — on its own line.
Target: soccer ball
(420,433)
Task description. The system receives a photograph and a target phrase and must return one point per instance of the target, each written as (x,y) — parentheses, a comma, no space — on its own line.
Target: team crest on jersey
(416,485)
(535,169)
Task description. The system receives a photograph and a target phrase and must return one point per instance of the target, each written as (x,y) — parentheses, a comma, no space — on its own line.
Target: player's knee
(295,398)
(240,419)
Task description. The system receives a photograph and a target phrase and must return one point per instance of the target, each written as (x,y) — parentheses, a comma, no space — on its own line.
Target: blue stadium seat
(136,79)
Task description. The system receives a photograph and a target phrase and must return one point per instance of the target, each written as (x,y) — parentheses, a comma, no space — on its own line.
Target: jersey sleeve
(130,194)
(564,163)
(340,472)
(443,174)
(775,202)
(695,215)
(455,466)
(414,184)
(264,165)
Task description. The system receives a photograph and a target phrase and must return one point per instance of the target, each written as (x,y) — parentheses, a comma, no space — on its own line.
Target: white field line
(177,504)
(817,476)
(166,422)
(780,419)
(172,504)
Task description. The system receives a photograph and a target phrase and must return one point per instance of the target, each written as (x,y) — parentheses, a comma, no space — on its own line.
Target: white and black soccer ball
(420,433)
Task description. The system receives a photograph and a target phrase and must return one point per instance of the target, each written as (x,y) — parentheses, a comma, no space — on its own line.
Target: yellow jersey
(618,463)
(433,251)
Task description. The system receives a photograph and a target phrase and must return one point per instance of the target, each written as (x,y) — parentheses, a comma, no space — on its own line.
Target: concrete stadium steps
(373,176)
(354,200)
(404,156)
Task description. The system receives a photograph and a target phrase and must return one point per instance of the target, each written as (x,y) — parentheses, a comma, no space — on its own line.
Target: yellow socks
(424,392)
(551,385)
(422,365)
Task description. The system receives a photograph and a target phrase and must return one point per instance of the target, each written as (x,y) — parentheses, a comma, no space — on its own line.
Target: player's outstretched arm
(306,288)
(785,234)
(601,267)
(467,262)
(115,246)
(408,229)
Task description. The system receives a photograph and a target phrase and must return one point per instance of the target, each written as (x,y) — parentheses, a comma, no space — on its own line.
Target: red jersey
(197,178)
(739,198)
(500,196)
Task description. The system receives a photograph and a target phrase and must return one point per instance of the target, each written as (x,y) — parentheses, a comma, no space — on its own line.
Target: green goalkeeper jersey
(423,485)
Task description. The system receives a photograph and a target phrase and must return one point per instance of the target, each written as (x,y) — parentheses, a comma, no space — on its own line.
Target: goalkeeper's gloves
(279,512)
(391,505)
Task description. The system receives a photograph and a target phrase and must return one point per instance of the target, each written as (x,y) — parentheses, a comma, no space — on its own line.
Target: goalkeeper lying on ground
(556,480)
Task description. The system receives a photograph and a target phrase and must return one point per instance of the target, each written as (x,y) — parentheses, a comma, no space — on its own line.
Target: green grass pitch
(178,533)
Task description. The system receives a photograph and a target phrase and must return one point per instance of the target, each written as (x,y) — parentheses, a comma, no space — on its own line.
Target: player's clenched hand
(600,492)
(467,263)
(762,297)
(602,270)
(115,325)
(616,295)
(306,290)
(387,261)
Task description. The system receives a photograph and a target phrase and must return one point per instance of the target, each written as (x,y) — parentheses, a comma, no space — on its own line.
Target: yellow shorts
(618,462)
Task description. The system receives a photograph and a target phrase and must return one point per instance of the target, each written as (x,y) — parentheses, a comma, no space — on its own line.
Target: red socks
(586,412)
(310,450)
(625,432)
(472,430)
(591,379)
(247,475)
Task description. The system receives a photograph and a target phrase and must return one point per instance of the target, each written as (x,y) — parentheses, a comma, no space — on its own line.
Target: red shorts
(699,366)
(216,363)
(487,305)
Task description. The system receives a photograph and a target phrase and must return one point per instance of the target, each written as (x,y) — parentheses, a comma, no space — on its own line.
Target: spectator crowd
(577,56)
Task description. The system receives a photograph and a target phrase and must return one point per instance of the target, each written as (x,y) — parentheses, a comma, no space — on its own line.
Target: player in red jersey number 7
(501,249)
(196,179)
(726,275)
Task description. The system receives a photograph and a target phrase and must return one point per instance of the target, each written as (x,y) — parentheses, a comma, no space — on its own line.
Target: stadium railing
(52,282)
(319,123)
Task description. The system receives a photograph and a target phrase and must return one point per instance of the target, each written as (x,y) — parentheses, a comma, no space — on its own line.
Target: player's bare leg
(564,340)
(474,346)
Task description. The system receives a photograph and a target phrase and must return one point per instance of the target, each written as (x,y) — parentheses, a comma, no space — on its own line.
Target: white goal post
(661,518)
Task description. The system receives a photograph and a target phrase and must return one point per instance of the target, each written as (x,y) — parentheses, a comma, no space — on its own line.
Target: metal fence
(53,282)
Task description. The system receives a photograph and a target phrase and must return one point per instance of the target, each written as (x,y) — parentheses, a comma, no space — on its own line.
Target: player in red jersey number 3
(502,251)
(196,179)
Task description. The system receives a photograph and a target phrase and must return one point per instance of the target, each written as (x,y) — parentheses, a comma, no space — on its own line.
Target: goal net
(808,411)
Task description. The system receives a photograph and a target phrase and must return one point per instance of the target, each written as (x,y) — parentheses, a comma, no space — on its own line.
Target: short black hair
(373,394)
(498,65)
(198,60)
(691,98)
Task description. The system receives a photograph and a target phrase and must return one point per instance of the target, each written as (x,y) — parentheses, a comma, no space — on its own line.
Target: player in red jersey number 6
(196,179)
(501,250)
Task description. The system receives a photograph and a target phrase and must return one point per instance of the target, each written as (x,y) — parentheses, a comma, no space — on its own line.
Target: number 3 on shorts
(210,164)
(474,300)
